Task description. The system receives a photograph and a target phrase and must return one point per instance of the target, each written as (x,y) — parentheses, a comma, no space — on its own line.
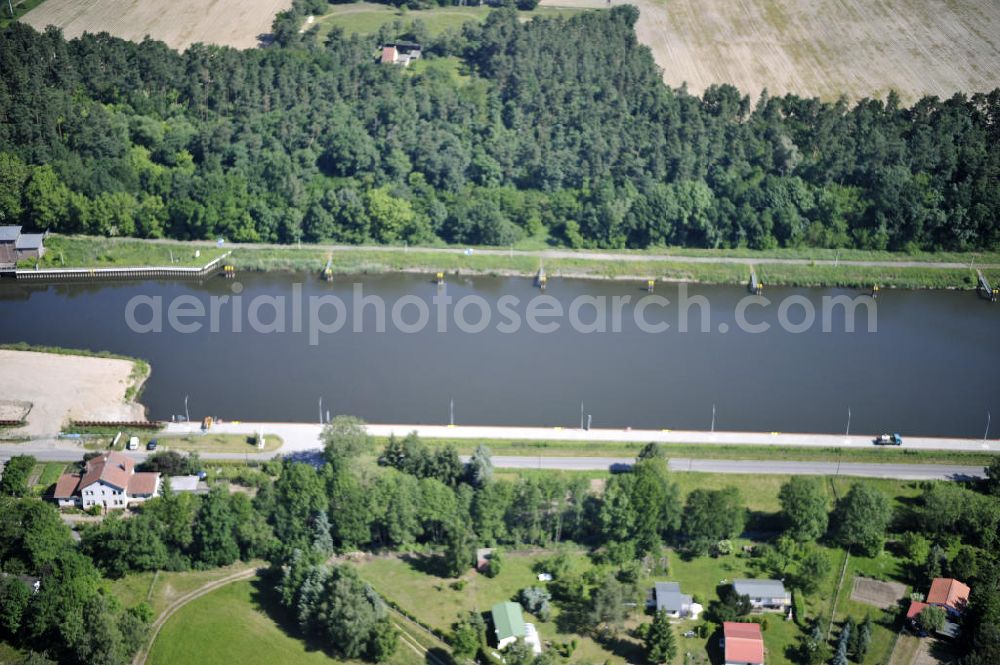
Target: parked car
(893,439)
(690,633)
(133,443)
(151,445)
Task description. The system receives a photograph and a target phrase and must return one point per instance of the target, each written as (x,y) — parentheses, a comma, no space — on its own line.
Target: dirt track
(822,47)
(238,23)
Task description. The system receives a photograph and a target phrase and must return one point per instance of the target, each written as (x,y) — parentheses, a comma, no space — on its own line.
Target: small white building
(110,481)
(667,597)
(765,595)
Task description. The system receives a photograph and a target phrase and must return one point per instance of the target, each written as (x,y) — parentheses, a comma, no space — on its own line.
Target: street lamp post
(187,417)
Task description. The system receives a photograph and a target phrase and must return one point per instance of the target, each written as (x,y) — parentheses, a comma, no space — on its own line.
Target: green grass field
(79,251)
(366,18)
(873,454)
(50,474)
(218,443)
(162,588)
(437,604)
(95,252)
(20,9)
(375,261)
(240,623)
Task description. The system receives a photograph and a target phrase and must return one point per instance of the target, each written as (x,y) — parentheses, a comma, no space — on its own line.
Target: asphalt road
(305,436)
(750,467)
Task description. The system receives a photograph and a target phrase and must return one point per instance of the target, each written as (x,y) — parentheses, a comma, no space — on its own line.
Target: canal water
(929,368)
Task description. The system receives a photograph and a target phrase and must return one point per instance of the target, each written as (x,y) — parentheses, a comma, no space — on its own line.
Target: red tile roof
(142,483)
(744,642)
(66,486)
(916,607)
(388,55)
(111,468)
(948,592)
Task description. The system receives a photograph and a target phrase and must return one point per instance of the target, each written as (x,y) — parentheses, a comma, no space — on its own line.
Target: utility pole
(320,410)
(451,413)
(187,418)
(713,419)
(987,434)
(847,434)
(581,415)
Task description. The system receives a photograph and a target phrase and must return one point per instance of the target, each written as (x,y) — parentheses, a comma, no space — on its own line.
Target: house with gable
(110,481)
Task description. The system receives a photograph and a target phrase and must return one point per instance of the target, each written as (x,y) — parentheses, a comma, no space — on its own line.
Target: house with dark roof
(15,246)
(667,597)
(765,595)
(109,481)
(743,643)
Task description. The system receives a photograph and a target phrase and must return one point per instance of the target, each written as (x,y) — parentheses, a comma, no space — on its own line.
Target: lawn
(240,623)
(50,474)
(874,454)
(372,260)
(218,443)
(162,588)
(366,18)
(885,566)
(94,252)
(437,604)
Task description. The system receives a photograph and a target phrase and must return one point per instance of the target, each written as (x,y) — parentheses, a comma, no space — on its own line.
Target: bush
(536,600)
(494,565)
(14,481)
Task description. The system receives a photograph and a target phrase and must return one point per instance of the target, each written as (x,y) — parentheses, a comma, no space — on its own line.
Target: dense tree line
(335,607)
(557,126)
(423,498)
(68,617)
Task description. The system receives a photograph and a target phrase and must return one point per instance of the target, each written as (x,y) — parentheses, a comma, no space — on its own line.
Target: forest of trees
(422,498)
(558,128)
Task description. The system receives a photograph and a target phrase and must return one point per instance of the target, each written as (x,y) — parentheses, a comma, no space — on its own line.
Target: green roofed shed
(508,623)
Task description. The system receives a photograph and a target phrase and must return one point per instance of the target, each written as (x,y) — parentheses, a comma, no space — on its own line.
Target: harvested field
(877,594)
(238,23)
(858,48)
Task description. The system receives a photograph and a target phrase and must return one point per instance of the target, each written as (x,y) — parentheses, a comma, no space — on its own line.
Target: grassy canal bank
(811,267)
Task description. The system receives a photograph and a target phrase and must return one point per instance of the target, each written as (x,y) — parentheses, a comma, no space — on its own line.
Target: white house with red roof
(743,643)
(110,481)
(399,53)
